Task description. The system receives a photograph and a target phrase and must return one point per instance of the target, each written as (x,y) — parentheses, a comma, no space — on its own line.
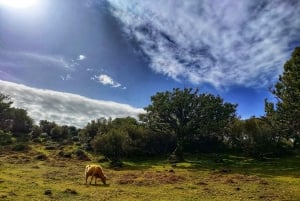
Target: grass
(23,177)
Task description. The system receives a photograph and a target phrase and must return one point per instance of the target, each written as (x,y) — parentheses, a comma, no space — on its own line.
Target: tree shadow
(142,163)
(270,167)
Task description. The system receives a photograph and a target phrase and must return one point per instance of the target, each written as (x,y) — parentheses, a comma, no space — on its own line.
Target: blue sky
(72,61)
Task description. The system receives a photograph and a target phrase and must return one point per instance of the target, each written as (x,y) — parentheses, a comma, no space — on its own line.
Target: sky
(72,61)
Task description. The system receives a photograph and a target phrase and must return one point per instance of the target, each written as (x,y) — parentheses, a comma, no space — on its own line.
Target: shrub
(20,147)
(65,154)
(75,138)
(111,144)
(5,138)
(36,132)
(81,155)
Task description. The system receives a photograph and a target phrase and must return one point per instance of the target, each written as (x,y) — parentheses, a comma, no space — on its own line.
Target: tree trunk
(177,155)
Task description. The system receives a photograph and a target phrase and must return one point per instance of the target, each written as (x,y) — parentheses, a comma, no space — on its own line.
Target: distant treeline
(177,122)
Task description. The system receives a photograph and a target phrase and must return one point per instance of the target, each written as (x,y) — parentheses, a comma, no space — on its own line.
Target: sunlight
(22,4)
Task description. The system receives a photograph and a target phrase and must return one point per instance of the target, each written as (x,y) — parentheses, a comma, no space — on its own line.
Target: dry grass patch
(150,178)
(236,178)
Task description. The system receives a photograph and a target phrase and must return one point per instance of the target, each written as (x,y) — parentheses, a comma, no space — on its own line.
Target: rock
(238,188)
(48,192)
(70,191)
(41,157)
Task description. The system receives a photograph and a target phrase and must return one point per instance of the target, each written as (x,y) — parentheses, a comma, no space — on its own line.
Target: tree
(13,119)
(21,121)
(36,132)
(46,126)
(111,145)
(284,116)
(258,134)
(186,113)
(5,105)
(59,133)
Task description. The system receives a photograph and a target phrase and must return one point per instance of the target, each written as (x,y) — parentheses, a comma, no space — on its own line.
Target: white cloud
(107,80)
(222,43)
(81,57)
(63,108)
(27,59)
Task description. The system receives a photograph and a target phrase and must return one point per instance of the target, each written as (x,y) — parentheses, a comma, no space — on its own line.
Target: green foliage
(112,144)
(36,131)
(257,134)
(5,138)
(46,126)
(5,104)
(13,119)
(20,146)
(125,137)
(80,154)
(21,121)
(255,137)
(59,133)
(284,116)
(188,115)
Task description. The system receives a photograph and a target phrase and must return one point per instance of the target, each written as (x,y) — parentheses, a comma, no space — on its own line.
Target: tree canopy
(187,113)
(284,116)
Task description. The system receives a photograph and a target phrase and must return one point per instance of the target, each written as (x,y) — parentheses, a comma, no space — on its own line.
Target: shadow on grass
(271,167)
(97,185)
(143,163)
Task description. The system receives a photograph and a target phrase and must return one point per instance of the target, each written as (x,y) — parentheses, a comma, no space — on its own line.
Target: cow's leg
(92,178)
(86,178)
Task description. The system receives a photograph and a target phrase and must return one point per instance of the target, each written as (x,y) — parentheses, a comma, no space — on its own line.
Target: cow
(94,171)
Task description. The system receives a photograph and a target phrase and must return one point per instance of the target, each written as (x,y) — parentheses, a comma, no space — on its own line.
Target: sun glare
(18,3)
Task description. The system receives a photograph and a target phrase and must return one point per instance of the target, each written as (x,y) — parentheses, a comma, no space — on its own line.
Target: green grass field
(24,177)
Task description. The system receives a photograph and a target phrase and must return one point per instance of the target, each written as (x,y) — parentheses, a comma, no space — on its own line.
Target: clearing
(42,174)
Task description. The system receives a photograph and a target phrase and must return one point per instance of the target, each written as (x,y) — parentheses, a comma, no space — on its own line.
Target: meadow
(42,173)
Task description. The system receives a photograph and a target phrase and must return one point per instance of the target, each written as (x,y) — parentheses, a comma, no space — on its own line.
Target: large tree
(284,115)
(187,113)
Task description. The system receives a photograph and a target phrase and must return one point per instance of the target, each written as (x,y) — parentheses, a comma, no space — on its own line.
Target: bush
(65,154)
(112,144)
(20,147)
(81,155)
(5,138)
(36,132)
(75,138)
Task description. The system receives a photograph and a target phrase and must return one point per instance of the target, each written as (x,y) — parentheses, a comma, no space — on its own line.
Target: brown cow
(94,171)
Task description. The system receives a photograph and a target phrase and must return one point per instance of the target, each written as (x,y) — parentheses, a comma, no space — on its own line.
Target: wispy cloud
(223,43)
(63,108)
(66,77)
(50,59)
(24,59)
(107,80)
